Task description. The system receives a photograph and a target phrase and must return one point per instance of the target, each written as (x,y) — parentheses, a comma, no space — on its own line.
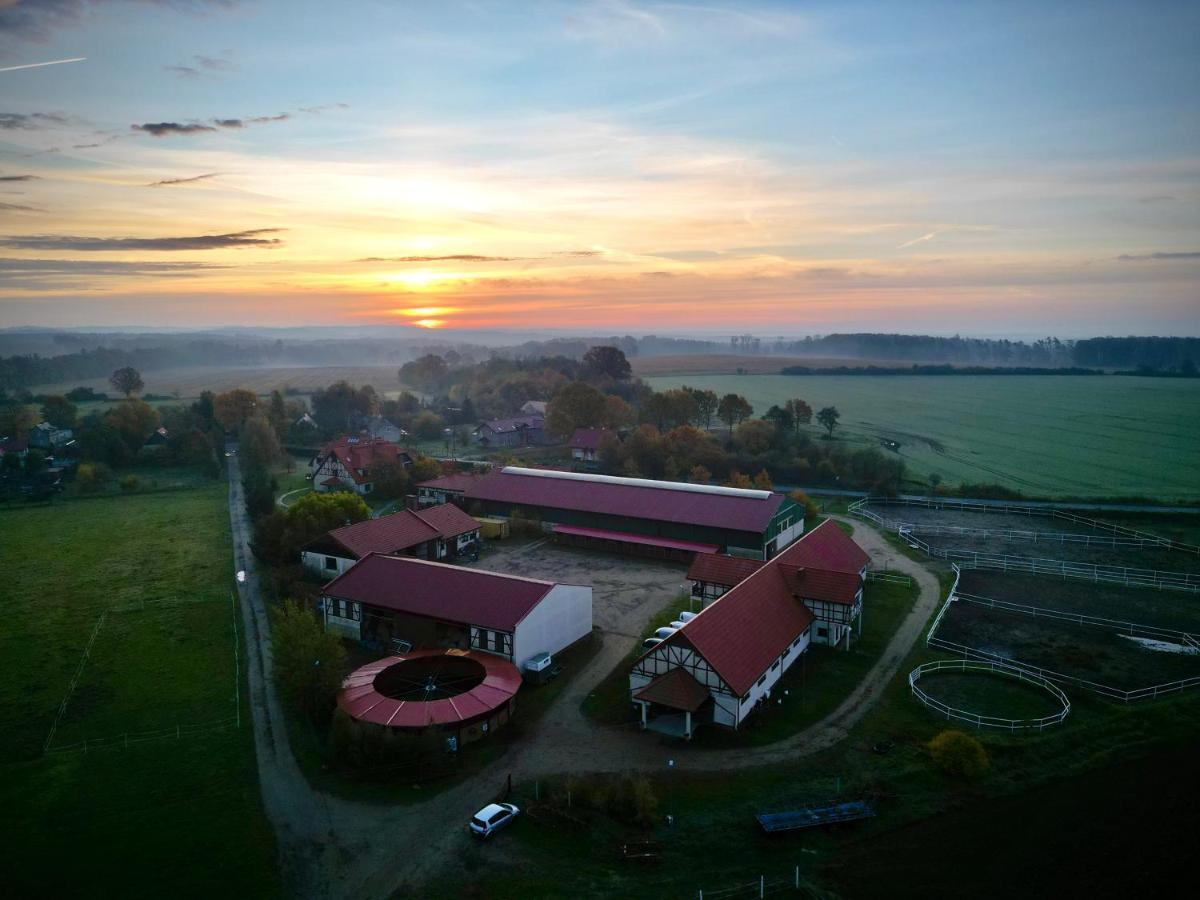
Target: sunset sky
(779,168)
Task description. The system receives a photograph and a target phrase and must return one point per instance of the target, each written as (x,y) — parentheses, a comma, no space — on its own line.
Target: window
(761,679)
(775,665)
(786,653)
(822,631)
(331,563)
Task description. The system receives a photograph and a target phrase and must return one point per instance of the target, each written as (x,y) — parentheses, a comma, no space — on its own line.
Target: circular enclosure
(983,670)
(424,688)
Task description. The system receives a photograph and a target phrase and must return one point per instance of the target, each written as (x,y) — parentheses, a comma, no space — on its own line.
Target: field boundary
(993,668)
(62,707)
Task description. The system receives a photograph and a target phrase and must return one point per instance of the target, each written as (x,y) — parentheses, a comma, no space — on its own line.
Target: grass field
(143,580)
(1042,435)
(985,694)
(729,363)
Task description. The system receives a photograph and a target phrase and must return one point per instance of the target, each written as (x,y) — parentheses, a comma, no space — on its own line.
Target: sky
(777,168)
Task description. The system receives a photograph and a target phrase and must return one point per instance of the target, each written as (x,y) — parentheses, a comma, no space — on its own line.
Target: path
(333,848)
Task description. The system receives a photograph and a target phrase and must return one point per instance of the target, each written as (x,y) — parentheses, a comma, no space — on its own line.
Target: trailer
(815,816)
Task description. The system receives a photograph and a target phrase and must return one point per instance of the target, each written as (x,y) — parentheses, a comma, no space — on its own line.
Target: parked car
(678,623)
(651,642)
(686,616)
(492,818)
(665,632)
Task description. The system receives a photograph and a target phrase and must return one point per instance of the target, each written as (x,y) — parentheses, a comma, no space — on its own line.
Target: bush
(91,476)
(129,484)
(959,755)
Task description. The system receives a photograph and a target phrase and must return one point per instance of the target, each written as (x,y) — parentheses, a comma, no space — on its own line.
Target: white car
(492,818)
(686,616)
(651,642)
(665,632)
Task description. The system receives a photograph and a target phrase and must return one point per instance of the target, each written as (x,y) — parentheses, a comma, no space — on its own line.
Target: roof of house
(721,568)
(456,481)
(401,530)
(587,438)
(742,632)
(447,593)
(515,423)
(662,501)
(676,688)
(534,406)
(358,453)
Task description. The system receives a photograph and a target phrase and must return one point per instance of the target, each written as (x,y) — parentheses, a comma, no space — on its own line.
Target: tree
(781,418)
(699,475)
(308,661)
(829,418)
(705,404)
(738,480)
(606,362)
(59,411)
(10,463)
(617,413)
(801,412)
(232,408)
(390,479)
(35,462)
(279,536)
(755,436)
(16,419)
(958,755)
(577,405)
(732,409)
(762,480)
(259,444)
(127,380)
(277,412)
(667,409)
(428,425)
(608,453)
(811,510)
(258,491)
(135,420)
(427,374)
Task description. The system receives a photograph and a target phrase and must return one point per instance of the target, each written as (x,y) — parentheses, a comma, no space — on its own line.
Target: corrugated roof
(723,569)
(387,534)
(439,591)
(827,548)
(816,584)
(677,689)
(458,481)
(649,540)
(448,519)
(640,501)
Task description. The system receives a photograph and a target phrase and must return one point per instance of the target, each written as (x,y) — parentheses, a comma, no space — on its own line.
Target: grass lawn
(148,577)
(987,694)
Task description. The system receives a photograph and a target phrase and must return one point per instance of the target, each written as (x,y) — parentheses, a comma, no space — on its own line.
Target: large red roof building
(439,532)
(742,642)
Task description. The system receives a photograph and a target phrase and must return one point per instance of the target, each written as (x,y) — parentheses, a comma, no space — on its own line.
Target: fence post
(797,878)
(762,886)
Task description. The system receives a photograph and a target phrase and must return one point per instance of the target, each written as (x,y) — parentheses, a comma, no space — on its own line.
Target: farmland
(121,605)
(1042,435)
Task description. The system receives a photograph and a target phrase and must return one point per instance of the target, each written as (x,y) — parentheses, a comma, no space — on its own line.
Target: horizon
(602,167)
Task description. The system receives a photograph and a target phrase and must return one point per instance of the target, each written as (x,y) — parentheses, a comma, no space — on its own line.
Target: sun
(429,323)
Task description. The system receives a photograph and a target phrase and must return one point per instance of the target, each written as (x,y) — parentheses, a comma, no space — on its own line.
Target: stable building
(440,532)
(427,604)
(639,515)
(721,664)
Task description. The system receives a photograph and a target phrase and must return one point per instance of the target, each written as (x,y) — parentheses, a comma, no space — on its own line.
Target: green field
(1041,435)
(119,806)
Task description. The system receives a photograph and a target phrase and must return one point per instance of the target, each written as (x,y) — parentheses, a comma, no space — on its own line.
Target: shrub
(958,755)
(129,484)
(90,476)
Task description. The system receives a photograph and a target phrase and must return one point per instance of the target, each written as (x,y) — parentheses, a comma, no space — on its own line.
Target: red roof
(676,688)
(723,569)
(633,498)
(404,529)
(458,481)
(742,632)
(439,591)
(587,438)
(359,698)
(331,481)
(646,539)
(362,453)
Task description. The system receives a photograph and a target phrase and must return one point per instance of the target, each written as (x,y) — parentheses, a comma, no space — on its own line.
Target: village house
(447,489)
(585,444)
(426,604)
(440,532)
(519,431)
(346,464)
(533,408)
(45,436)
(157,440)
(379,428)
(727,659)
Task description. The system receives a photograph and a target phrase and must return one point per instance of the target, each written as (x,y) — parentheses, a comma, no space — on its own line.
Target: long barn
(639,515)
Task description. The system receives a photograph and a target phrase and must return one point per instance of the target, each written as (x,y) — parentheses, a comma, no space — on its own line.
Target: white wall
(315,562)
(559,620)
(788,536)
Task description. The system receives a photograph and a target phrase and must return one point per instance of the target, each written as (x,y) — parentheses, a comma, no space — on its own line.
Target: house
(45,436)
(519,431)
(447,489)
(440,532)
(534,408)
(346,464)
(157,440)
(722,663)
(429,604)
(585,443)
(640,515)
(377,427)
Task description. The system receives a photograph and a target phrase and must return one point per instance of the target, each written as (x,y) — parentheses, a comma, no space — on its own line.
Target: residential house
(346,464)
(519,431)
(585,444)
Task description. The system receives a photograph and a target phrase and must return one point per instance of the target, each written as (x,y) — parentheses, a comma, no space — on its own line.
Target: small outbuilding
(439,532)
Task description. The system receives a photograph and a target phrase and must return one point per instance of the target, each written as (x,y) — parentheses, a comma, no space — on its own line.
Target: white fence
(761,887)
(994,668)
(133,738)
(889,577)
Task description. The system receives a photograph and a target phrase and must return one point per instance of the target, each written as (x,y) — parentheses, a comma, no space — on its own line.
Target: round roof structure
(429,687)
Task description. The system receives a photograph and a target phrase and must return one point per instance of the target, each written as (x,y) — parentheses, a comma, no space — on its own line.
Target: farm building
(712,574)
(379,428)
(429,604)
(447,489)
(533,408)
(664,518)
(439,532)
(519,431)
(720,664)
(346,464)
(585,443)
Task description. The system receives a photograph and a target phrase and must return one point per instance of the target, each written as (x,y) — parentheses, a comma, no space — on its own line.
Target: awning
(676,689)
(627,538)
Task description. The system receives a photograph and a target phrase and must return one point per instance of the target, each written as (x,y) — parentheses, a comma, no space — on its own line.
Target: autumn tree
(755,436)
(232,408)
(135,420)
(705,406)
(127,380)
(341,405)
(606,362)
(577,405)
(280,535)
(259,443)
(732,409)
(16,419)
(762,481)
(800,411)
(829,418)
(428,425)
(617,413)
(308,661)
(427,373)
(59,411)
(699,475)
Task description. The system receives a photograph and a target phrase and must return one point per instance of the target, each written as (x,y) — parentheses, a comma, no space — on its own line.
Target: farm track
(333,848)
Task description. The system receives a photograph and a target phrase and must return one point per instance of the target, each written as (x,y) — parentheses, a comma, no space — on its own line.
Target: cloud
(169,181)
(317,110)
(1159,256)
(687,255)
(20,177)
(454,257)
(37,19)
(18,207)
(250,238)
(104,139)
(165,129)
(203,64)
(31,121)
(94,267)
(922,239)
